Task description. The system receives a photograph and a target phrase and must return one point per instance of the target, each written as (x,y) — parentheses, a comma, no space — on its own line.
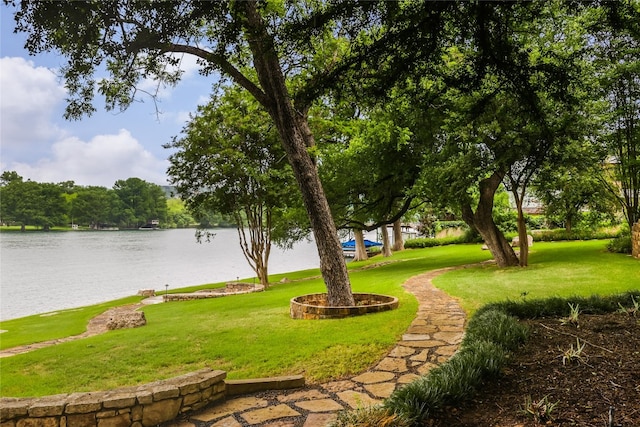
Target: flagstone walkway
(434,335)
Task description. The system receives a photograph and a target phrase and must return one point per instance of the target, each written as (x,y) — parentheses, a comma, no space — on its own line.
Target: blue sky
(38,143)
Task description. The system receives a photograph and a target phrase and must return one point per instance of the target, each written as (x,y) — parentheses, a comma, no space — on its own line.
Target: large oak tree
(289,46)
(136,40)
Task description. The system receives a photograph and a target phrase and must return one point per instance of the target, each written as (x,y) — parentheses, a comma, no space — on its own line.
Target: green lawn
(556,269)
(54,325)
(253,336)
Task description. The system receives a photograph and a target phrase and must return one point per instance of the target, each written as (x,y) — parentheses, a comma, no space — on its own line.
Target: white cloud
(101,161)
(29,96)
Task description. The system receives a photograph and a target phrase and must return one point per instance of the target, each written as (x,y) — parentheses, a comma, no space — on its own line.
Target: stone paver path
(432,338)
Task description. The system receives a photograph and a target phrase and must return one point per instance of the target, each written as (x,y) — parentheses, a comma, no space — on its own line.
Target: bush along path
(493,333)
(432,338)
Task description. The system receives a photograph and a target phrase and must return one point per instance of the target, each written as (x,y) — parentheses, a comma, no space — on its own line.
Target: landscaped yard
(566,374)
(253,336)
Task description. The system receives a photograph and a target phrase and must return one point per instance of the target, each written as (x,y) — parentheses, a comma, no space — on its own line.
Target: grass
(252,335)
(246,335)
(53,325)
(560,269)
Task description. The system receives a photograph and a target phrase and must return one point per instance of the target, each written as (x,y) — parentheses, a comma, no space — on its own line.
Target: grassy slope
(247,335)
(253,336)
(54,325)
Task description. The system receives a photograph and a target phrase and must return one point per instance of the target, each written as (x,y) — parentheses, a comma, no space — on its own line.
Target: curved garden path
(432,337)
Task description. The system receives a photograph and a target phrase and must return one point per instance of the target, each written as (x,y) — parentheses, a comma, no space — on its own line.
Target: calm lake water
(43,272)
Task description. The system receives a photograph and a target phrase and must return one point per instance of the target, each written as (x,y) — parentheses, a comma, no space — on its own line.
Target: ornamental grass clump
(491,334)
(633,310)
(557,307)
(497,327)
(372,416)
(573,354)
(540,410)
(573,317)
(482,354)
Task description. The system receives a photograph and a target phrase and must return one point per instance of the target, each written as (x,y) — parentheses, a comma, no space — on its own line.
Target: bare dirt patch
(603,379)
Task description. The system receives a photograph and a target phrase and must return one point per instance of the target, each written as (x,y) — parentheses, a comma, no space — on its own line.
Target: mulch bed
(600,388)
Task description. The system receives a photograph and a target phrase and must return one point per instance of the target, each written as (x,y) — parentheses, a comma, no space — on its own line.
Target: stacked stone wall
(635,240)
(231,288)
(146,405)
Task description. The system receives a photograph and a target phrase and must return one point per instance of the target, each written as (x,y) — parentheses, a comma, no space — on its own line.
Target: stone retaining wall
(146,405)
(231,288)
(315,306)
(635,240)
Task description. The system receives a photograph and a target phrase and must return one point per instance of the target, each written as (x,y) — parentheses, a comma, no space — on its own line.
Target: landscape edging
(145,405)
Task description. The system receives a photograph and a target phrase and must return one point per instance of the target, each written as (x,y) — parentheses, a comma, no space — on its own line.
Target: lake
(47,271)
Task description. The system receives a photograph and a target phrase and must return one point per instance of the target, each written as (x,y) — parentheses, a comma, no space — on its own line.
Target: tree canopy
(230,160)
(487,89)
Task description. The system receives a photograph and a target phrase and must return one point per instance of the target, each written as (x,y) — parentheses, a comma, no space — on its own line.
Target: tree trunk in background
(568,223)
(398,241)
(361,251)
(296,137)
(482,220)
(386,246)
(523,243)
(635,240)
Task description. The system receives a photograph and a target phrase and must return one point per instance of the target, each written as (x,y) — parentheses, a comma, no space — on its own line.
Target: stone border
(145,405)
(239,387)
(231,288)
(313,306)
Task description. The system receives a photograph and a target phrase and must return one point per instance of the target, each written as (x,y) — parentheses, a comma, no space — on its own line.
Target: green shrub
(535,222)
(482,354)
(582,234)
(620,245)
(429,242)
(496,327)
(454,380)
(492,332)
(443,225)
(558,307)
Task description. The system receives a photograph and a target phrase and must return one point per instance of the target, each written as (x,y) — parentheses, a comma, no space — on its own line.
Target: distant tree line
(130,203)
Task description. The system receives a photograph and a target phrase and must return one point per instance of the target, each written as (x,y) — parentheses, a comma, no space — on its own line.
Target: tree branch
(224,65)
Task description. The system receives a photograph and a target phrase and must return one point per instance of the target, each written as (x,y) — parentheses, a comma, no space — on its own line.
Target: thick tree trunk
(386,244)
(482,220)
(398,241)
(361,250)
(296,137)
